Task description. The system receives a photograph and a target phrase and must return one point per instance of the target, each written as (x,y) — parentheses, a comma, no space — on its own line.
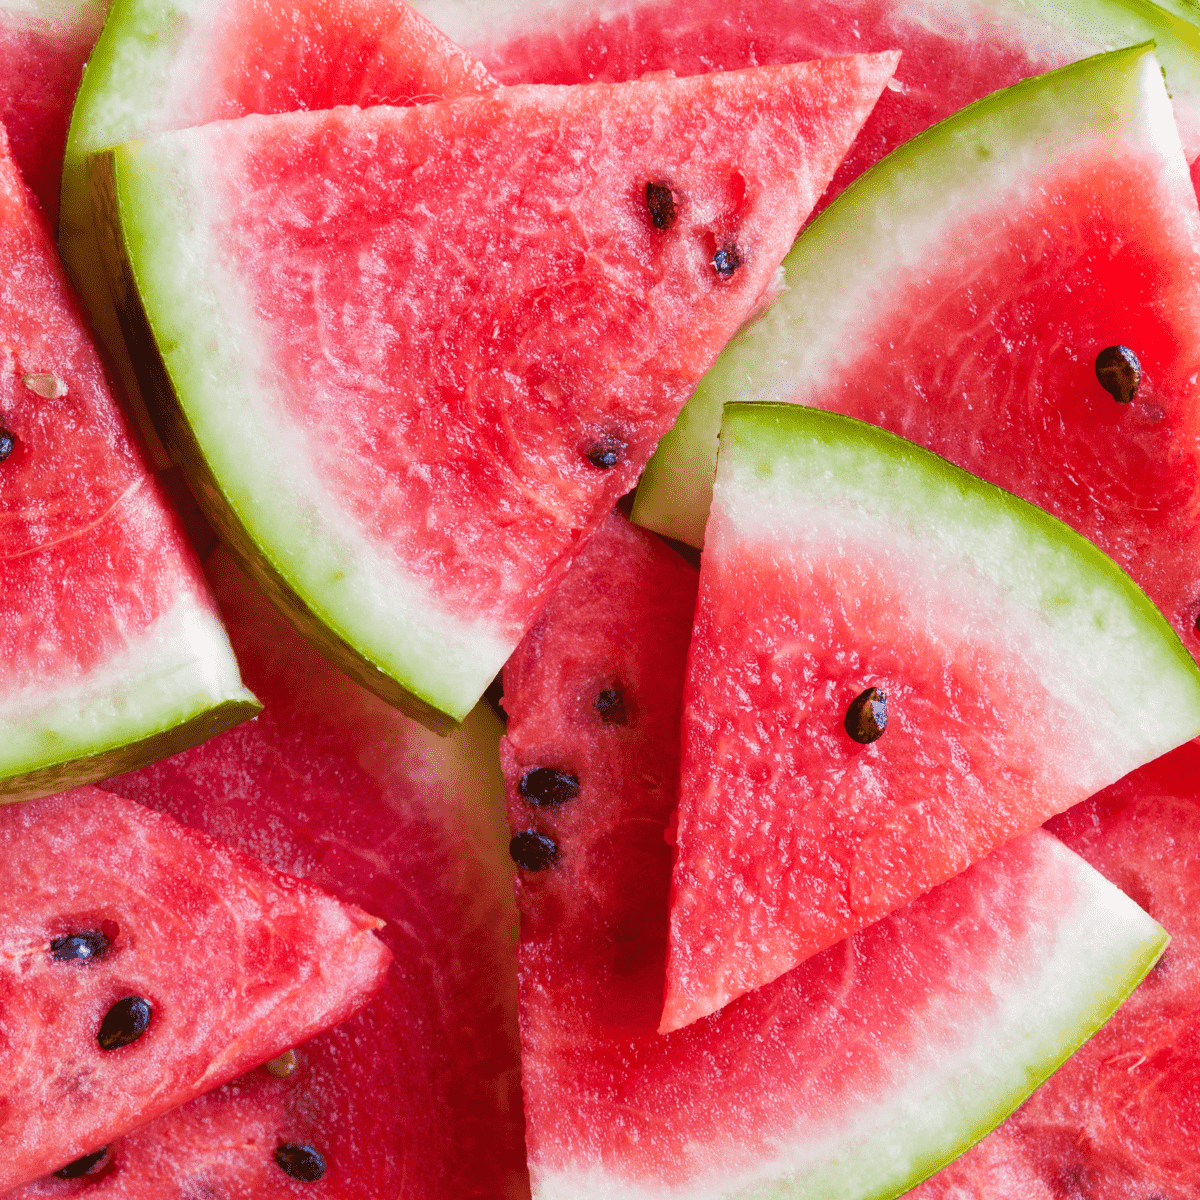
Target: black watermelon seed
(866,718)
(80,947)
(606,453)
(124,1023)
(81,1166)
(726,260)
(610,705)
(548,787)
(301,1161)
(661,204)
(8,444)
(1119,372)
(532,850)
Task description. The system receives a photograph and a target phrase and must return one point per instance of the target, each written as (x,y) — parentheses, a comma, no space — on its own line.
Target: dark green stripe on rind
(159,390)
(73,773)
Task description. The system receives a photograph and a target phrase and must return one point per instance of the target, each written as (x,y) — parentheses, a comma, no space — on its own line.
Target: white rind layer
(1050,992)
(168,673)
(998,155)
(354,584)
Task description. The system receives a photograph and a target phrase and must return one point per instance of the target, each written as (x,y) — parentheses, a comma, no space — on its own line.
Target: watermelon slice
(161,66)
(1120,1119)
(142,964)
(961,306)
(410,357)
(111,654)
(418,1095)
(43,44)
(852,1076)
(895,668)
(953,53)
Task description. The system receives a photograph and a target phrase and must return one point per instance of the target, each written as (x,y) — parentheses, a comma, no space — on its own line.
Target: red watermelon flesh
(42,52)
(952,53)
(1121,1120)
(783,1082)
(236,962)
(419,1093)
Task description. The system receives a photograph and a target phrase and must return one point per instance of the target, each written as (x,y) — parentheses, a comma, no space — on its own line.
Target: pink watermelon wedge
(111,651)
(1120,1119)
(853,1076)
(171,66)
(953,53)
(142,964)
(411,357)
(895,668)
(961,297)
(43,45)
(418,1095)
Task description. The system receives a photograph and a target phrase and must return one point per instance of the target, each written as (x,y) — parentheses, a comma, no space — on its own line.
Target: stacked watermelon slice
(409,396)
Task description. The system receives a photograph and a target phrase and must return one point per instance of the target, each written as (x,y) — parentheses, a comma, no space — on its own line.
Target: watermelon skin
(161,66)
(43,45)
(416,546)
(419,1093)
(238,962)
(973,328)
(844,1078)
(1023,671)
(1119,1120)
(953,53)
(113,653)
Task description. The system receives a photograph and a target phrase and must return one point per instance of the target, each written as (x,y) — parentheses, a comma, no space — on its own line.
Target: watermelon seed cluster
(125,1022)
(1119,373)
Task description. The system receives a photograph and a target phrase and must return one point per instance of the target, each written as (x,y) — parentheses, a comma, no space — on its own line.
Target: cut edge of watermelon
(144,704)
(994,147)
(447,691)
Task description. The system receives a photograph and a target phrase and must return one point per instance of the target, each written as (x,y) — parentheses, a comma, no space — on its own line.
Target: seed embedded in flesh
(605,453)
(301,1161)
(8,443)
(866,718)
(125,1022)
(610,706)
(284,1065)
(81,1166)
(87,946)
(548,787)
(46,385)
(1119,373)
(661,204)
(532,850)
(726,260)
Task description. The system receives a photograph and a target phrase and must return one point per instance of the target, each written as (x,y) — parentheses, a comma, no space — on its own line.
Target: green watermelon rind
(1030,127)
(432,699)
(1129,669)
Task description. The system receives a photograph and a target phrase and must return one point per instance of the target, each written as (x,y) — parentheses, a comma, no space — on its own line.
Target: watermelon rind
(898,212)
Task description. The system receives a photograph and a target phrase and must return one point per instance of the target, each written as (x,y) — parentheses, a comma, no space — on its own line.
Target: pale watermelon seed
(48,386)
(532,850)
(125,1022)
(661,204)
(80,947)
(548,787)
(726,260)
(1119,372)
(866,718)
(301,1161)
(82,1166)
(284,1065)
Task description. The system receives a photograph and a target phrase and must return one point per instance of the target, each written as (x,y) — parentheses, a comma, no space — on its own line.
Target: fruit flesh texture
(953,53)
(1120,1119)
(968,319)
(236,960)
(419,1093)
(112,652)
(466,502)
(786,1081)
(42,51)
(185,63)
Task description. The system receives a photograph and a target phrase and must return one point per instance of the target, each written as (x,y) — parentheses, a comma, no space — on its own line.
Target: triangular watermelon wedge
(851,1077)
(111,650)
(411,357)
(895,668)
(143,963)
